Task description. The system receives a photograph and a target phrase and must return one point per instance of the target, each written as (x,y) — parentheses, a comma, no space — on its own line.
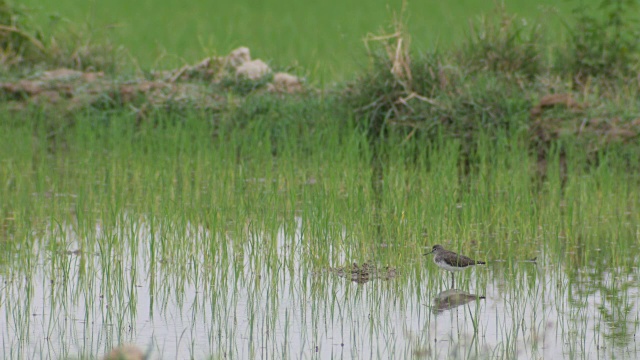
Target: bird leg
(453,282)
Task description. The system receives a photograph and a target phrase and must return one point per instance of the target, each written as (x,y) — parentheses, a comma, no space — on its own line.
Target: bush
(503,44)
(18,37)
(23,46)
(603,45)
(461,91)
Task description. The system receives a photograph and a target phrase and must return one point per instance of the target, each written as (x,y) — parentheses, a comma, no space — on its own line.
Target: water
(198,300)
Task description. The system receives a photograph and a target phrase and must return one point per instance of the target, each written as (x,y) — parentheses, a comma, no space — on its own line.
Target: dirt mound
(201,85)
(548,127)
(554,100)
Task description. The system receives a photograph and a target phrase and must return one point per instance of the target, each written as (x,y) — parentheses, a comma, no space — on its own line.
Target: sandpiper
(451,261)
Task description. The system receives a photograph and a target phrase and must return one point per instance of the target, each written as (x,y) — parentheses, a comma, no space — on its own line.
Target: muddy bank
(204,85)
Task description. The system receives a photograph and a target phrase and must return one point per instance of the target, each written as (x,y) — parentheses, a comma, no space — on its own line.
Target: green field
(325,38)
(202,214)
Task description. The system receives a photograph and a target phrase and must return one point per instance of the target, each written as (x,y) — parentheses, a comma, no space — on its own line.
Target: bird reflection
(452,298)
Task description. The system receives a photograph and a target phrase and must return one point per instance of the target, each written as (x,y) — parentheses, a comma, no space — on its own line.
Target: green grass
(324,38)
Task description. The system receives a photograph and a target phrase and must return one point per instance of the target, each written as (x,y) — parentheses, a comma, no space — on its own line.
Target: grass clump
(604,43)
(18,37)
(503,43)
(24,45)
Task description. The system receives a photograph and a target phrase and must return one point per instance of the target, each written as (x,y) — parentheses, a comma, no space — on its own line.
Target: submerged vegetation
(203,214)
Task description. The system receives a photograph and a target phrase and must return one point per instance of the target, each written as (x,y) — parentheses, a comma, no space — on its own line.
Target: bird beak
(428,253)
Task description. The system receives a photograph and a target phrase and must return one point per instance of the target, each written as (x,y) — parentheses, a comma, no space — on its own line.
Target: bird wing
(460,261)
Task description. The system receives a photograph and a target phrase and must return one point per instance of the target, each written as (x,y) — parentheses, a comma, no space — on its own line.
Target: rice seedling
(201,241)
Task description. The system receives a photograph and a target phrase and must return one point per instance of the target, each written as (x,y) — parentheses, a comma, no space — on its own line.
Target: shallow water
(229,303)
(192,248)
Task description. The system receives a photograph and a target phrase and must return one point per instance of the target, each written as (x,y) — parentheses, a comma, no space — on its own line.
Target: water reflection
(452,298)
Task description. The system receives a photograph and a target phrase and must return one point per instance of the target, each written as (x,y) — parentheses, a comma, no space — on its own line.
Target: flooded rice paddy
(193,248)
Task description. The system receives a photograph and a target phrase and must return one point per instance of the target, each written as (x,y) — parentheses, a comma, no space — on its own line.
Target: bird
(451,261)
